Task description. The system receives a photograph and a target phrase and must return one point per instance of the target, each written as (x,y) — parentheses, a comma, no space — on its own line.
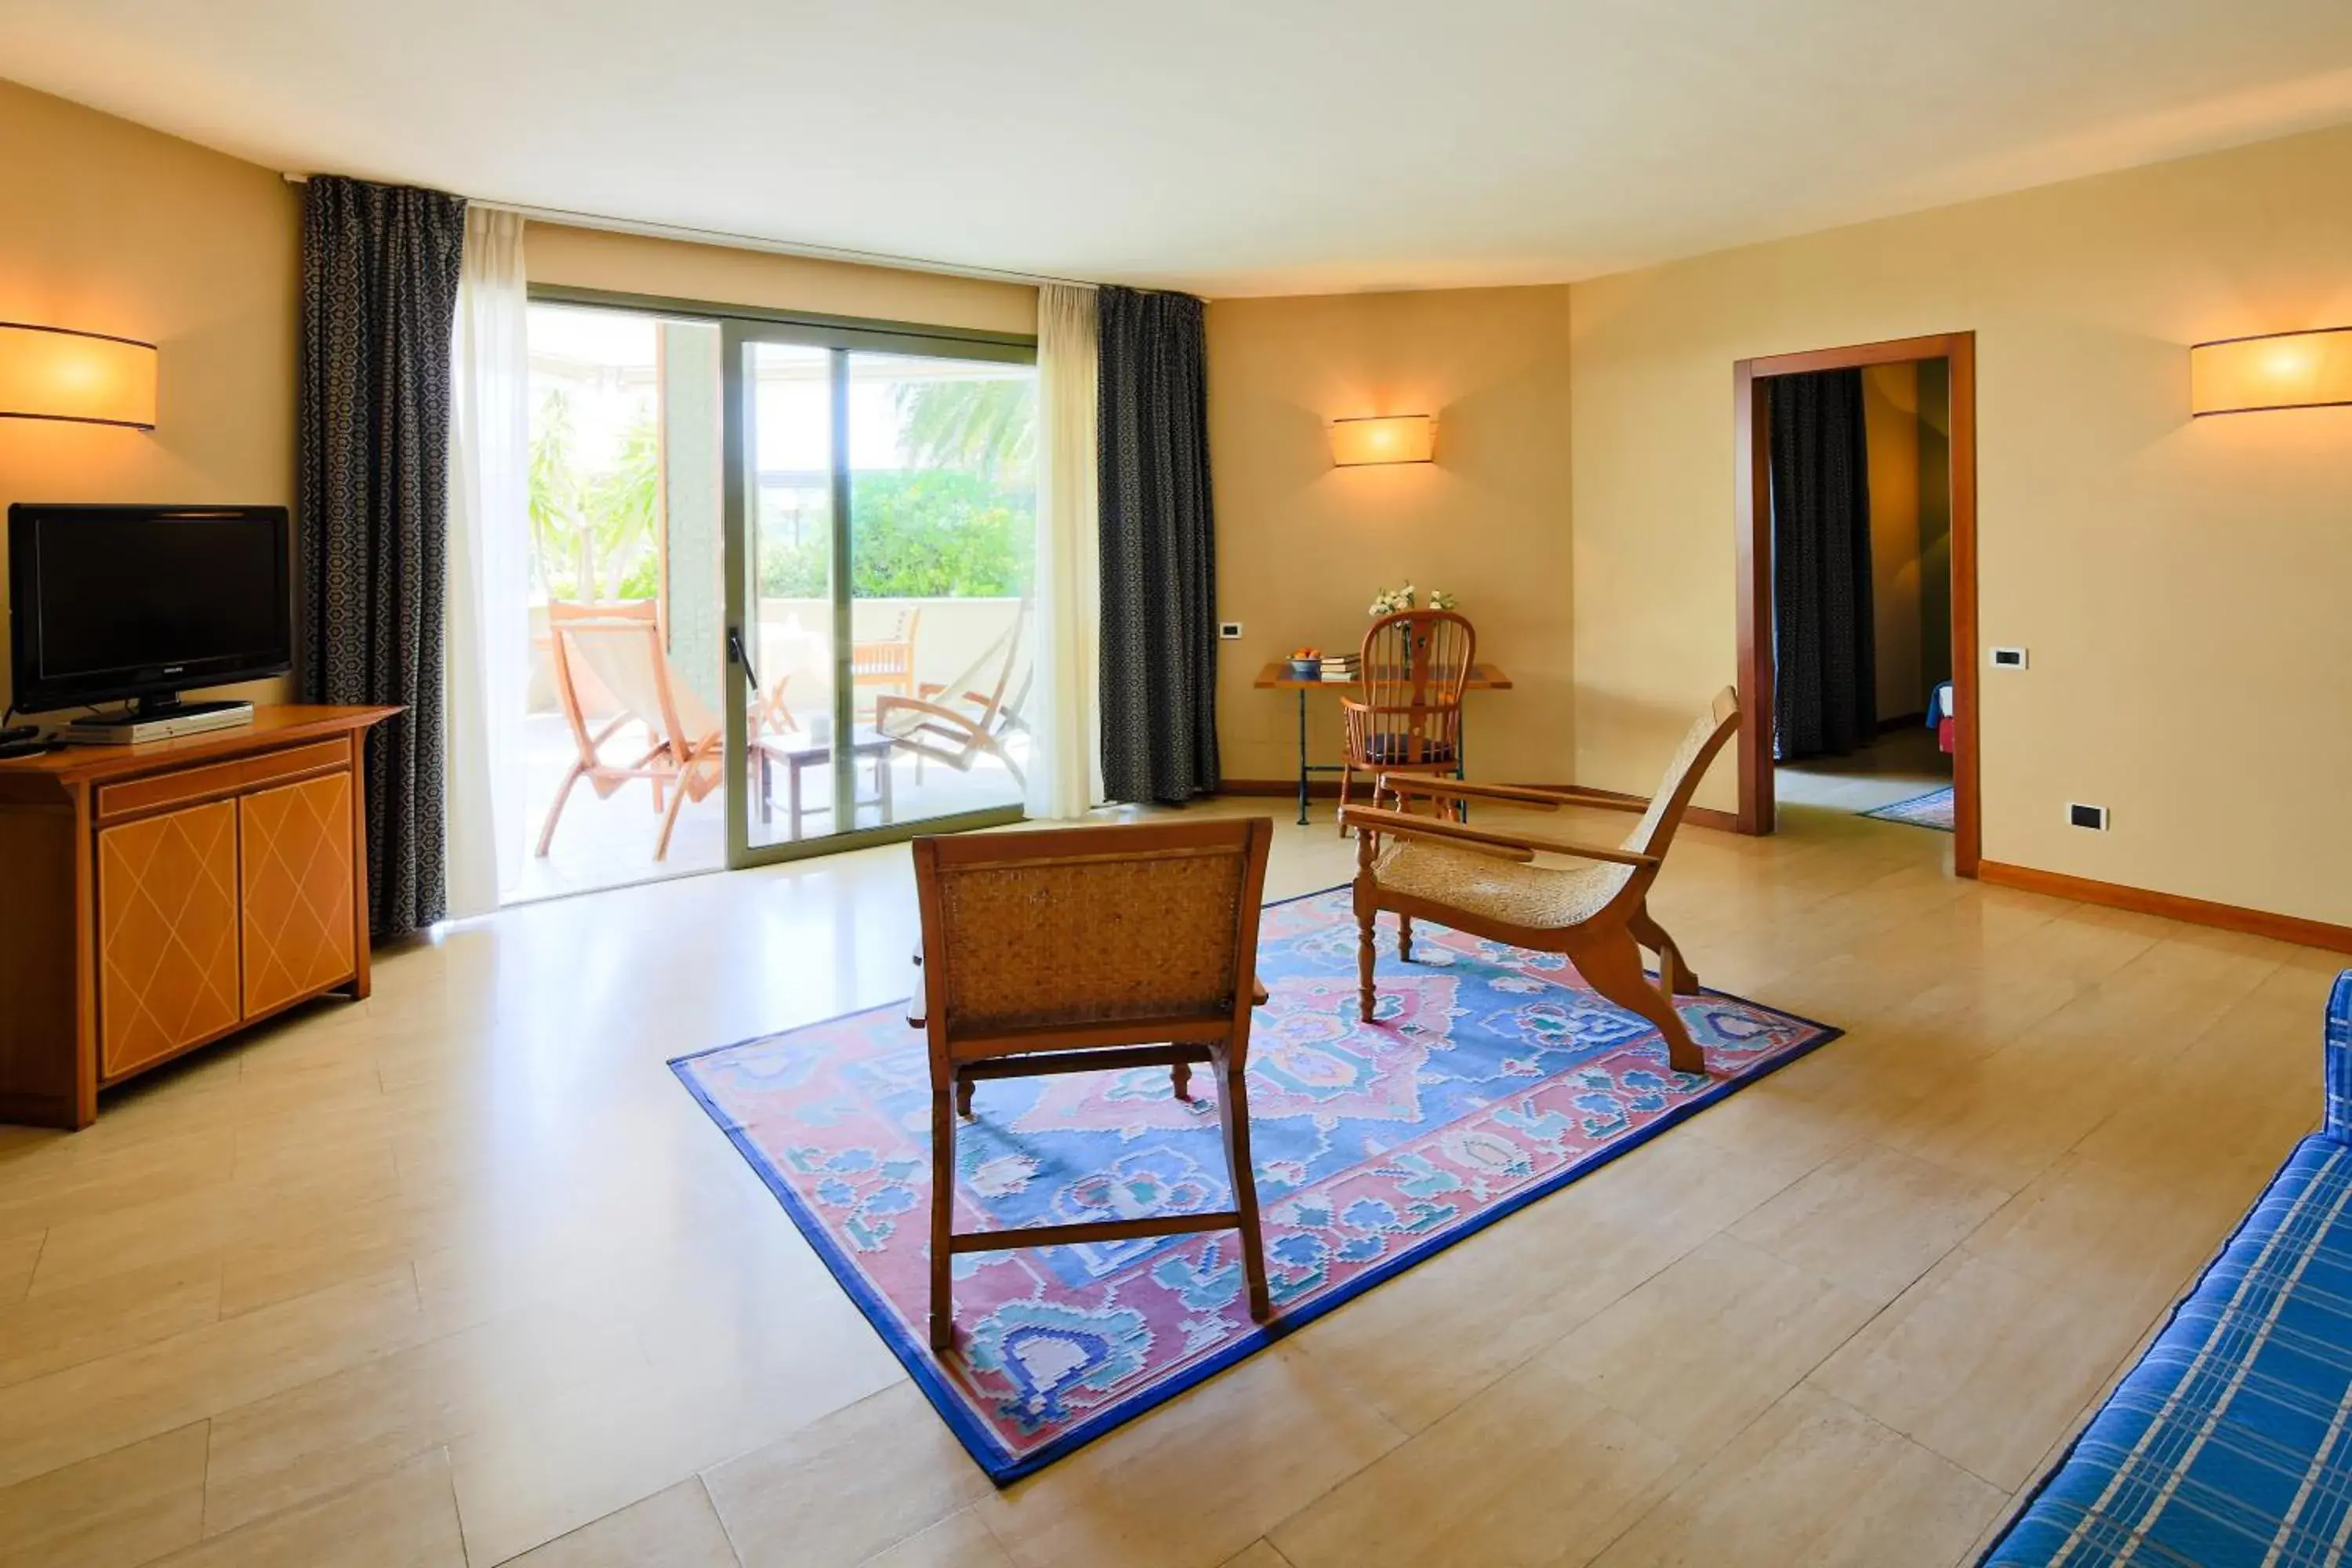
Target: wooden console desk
(156,898)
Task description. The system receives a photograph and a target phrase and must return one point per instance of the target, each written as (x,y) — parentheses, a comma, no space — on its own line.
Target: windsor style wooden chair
(1414,667)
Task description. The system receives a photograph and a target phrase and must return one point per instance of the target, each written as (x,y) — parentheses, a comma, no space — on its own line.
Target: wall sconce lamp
(1390,438)
(2281,370)
(56,373)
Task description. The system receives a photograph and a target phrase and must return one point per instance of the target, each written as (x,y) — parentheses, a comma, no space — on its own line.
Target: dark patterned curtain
(379,299)
(1159,549)
(1824,651)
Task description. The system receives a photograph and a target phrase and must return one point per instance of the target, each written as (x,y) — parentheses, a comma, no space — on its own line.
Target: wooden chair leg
(1404,939)
(942,1221)
(1180,1075)
(963,1096)
(1612,962)
(1673,972)
(669,821)
(1348,777)
(1366,915)
(1244,1180)
(562,793)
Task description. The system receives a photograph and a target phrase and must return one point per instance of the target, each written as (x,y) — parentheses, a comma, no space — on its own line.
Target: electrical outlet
(1230,630)
(2009,658)
(2093,817)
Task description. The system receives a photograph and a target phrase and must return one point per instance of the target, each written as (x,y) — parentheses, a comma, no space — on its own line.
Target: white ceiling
(1223,146)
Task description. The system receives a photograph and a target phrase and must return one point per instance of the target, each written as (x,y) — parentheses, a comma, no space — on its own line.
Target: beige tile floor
(1903,764)
(461,1275)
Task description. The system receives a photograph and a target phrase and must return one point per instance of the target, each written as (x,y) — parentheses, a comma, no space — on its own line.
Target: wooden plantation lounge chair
(620,645)
(1090,950)
(1414,667)
(1480,881)
(964,720)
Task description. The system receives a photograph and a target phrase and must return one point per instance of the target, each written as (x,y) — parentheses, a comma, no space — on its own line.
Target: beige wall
(635,264)
(1303,547)
(110,228)
(1890,418)
(2180,582)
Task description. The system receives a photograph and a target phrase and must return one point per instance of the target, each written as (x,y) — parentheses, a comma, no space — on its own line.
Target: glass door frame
(742,326)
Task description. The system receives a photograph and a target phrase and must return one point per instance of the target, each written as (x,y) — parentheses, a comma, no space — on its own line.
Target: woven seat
(1488,883)
(1507,892)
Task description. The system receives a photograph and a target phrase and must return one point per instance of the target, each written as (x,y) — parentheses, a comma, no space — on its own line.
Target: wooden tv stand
(155,898)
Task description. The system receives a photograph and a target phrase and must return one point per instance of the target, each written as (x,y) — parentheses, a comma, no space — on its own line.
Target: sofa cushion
(2230,1441)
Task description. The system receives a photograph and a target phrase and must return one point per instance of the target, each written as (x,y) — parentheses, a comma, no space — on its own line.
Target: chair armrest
(889,702)
(2339,1057)
(1365,818)
(1518,795)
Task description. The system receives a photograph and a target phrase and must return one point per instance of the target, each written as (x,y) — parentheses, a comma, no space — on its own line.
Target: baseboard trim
(2172,906)
(1329,789)
(1319,789)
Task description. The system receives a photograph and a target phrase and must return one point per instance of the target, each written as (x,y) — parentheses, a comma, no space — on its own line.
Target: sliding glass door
(880,506)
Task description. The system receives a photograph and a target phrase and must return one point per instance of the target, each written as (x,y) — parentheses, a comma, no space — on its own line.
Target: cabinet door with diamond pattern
(297,867)
(166,934)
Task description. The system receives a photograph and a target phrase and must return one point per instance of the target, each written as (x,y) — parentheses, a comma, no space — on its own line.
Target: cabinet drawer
(167,934)
(159,790)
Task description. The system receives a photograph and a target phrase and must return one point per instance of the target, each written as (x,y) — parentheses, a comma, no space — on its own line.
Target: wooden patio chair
(1480,881)
(888,662)
(1090,950)
(960,722)
(1413,667)
(620,646)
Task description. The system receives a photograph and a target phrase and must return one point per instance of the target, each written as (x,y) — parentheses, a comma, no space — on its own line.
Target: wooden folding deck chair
(620,645)
(1090,950)
(1481,880)
(960,722)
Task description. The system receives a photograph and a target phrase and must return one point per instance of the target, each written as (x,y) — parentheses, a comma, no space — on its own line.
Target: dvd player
(135,728)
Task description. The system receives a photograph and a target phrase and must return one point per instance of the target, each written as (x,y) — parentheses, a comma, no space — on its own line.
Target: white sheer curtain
(1066,765)
(488,631)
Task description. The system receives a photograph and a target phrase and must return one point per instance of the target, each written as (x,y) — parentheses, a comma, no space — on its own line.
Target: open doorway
(1856,485)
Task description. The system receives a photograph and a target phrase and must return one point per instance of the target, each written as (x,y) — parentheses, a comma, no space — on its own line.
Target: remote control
(32,747)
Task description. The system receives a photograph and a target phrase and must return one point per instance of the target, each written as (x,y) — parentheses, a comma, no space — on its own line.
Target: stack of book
(1339,667)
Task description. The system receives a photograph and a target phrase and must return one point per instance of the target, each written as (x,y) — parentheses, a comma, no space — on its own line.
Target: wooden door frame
(1753,501)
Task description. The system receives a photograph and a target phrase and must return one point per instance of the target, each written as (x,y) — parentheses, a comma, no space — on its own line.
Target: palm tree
(987,425)
(554,488)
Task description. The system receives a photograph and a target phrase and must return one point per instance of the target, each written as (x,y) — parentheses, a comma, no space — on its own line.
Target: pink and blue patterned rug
(1933,809)
(1492,1077)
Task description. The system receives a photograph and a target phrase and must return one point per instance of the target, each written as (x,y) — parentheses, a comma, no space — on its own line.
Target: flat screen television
(110,604)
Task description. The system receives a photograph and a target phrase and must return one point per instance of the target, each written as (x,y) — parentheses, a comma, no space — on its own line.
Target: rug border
(998,1464)
(1879,812)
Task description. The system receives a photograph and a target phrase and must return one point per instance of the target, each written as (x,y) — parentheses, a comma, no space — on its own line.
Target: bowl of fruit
(1305,663)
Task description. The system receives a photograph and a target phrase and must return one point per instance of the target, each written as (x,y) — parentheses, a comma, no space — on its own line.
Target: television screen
(110,603)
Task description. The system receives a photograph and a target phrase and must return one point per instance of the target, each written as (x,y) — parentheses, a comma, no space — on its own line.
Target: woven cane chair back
(1090,926)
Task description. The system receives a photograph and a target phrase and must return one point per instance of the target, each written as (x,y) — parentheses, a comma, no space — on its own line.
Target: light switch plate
(2009,658)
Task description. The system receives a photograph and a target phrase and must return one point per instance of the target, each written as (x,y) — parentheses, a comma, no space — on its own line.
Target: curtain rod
(754,242)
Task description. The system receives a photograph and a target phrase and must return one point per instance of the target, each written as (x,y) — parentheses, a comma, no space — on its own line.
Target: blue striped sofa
(2230,1441)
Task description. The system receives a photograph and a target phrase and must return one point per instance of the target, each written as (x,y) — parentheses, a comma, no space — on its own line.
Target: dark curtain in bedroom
(379,299)
(1825,675)
(1159,549)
